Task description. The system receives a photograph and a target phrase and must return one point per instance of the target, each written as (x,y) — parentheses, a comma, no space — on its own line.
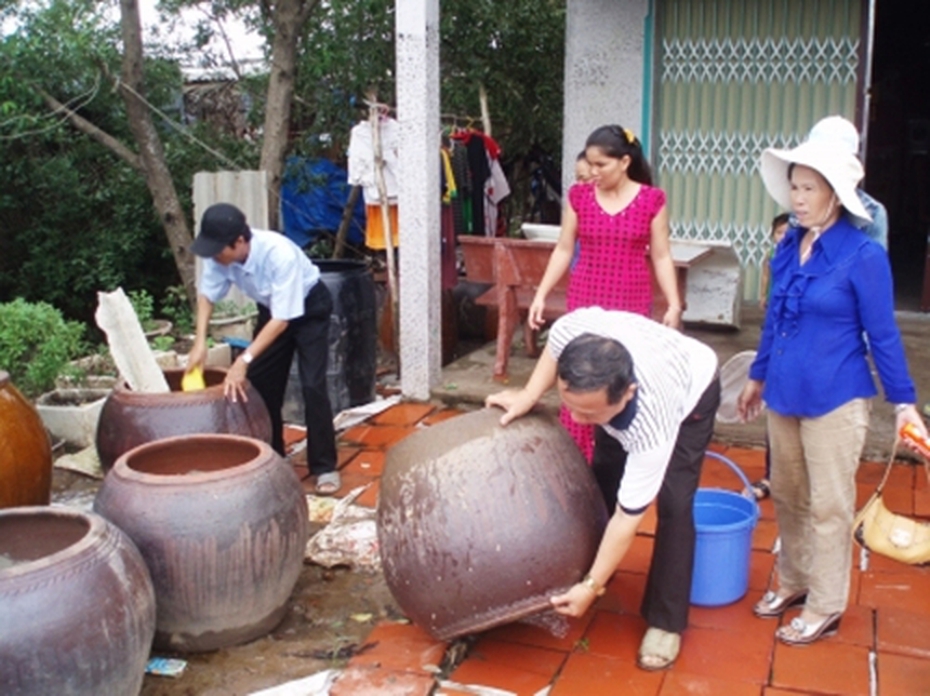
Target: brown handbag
(889,534)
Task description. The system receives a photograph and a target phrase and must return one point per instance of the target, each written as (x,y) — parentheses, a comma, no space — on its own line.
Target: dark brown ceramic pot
(25,450)
(479,525)
(77,607)
(221,521)
(131,418)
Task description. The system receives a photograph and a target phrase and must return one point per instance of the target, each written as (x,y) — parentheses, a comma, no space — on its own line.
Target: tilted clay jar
(77,607)
(25,450)
(131,418)
(479,524)
(221,521)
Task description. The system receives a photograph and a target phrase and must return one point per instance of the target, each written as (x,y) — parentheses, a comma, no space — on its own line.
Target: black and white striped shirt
(671,370)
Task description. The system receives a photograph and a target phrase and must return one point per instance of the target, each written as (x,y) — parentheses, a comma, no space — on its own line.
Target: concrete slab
(468,381)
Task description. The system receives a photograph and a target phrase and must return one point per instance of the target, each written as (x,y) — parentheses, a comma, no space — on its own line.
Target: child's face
(779,232)
(582,170)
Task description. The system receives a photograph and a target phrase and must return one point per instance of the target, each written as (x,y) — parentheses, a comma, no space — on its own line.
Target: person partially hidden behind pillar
(654,393)
(294,308)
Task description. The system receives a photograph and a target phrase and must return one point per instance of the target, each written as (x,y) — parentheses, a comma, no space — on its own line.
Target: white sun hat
(831,159)
(836,129)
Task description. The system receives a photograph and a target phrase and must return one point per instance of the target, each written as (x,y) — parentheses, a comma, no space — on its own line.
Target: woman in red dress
(618,219)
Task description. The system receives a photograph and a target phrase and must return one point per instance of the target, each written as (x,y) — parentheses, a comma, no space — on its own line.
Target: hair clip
(630,138)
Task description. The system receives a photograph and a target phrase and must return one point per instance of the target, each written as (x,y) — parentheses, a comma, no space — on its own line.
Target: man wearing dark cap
(294,309)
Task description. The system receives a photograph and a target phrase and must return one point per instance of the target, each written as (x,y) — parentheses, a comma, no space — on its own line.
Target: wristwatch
(597,588)
(247,358)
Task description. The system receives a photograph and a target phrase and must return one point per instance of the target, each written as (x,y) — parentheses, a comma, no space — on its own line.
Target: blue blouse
(813,354)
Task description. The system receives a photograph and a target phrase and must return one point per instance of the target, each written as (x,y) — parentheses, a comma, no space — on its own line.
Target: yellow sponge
(193,380)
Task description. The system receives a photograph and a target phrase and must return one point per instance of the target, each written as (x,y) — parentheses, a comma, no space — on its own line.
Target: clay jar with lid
(479,524)
(221,521)
(25,450)
(130,418)
(77,607)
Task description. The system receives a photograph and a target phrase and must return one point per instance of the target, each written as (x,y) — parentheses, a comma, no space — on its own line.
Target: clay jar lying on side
(77,607)
(221,521)
(131,418)
(25,450)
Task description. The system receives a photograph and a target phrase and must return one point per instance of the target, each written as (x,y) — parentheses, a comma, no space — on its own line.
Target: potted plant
(232,320)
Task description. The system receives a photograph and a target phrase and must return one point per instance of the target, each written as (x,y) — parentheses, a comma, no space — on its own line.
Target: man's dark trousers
(268,373)
(668,587)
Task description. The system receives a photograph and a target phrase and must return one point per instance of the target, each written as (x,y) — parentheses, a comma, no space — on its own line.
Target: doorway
(898,149)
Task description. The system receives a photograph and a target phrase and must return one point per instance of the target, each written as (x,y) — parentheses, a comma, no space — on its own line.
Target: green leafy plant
(144,305)
(227,309)
(36,344)
(162,343)
(177,309)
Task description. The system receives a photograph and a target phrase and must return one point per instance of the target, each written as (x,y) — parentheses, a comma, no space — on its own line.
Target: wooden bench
(514,268)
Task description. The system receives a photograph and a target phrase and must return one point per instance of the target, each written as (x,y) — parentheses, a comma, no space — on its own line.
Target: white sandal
(661,646)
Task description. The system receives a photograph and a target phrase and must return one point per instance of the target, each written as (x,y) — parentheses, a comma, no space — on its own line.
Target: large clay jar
(77,607)
(479,525)
(221,521)
(25,450)
(131,418)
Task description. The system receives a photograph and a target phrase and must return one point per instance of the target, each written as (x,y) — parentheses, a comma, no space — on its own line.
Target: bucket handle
(747,490)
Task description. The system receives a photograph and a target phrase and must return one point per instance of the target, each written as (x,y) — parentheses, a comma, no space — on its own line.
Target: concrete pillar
(417,27)
(605,64)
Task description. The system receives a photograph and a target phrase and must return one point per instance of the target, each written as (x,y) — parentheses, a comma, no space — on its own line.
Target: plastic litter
(166,666)
(350,539)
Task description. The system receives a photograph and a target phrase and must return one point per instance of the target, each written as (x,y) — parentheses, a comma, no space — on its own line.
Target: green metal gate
(734,77)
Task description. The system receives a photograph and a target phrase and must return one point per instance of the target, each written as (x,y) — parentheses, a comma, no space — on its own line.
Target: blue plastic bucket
(725,521)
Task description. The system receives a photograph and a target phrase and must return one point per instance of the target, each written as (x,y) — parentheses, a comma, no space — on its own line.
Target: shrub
(36,343)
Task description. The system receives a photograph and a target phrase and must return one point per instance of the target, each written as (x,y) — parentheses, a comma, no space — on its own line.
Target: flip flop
(660,647)
(328,483)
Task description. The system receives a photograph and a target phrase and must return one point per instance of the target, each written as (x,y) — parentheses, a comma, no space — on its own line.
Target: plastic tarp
(313,195)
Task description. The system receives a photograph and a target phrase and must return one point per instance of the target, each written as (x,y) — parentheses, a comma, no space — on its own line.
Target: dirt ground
(331,612)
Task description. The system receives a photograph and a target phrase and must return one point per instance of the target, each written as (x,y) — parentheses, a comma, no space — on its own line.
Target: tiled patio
(883,646)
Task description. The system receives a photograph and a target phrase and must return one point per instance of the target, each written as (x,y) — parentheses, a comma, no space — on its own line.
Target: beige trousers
(813,480)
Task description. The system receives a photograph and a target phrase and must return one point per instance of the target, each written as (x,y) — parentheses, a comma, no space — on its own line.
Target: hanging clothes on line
(361,169)
(482,183)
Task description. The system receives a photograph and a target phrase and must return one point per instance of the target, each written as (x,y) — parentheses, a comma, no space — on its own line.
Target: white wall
(604,62)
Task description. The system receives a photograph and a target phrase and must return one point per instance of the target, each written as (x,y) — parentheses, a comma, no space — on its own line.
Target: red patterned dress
(611,270)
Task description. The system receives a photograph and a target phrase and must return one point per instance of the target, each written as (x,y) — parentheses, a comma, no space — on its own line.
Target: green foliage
(144,306)
(178,310)
(36,343)
(162,343)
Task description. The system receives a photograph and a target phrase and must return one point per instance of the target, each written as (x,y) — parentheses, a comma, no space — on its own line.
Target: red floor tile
(901,675)
(857,626)
(870,474)
(728,655)
(526,634)
(352,480)
(369,497)
(773,691)
(367,681)
(403,414)
(624,593)
(482,673)
(440,416)
(766,509)
(921,495)
(883,564)
(639,556)
(764,535)
(736,617)
(293,434)
(344,455)
(904,632)
(526,658)
(596,675)
(614,635)
(897,498)
(827,666)
(401,648)
(751,457)
(377,436)
(716,474)
(680,684)
(761,568)
(910,592)
(367,463)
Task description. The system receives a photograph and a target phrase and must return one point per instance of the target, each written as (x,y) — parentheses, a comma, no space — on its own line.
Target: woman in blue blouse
(832,303)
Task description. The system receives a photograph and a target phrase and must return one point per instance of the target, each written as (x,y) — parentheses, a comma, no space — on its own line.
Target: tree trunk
(151,153)
(288,18)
